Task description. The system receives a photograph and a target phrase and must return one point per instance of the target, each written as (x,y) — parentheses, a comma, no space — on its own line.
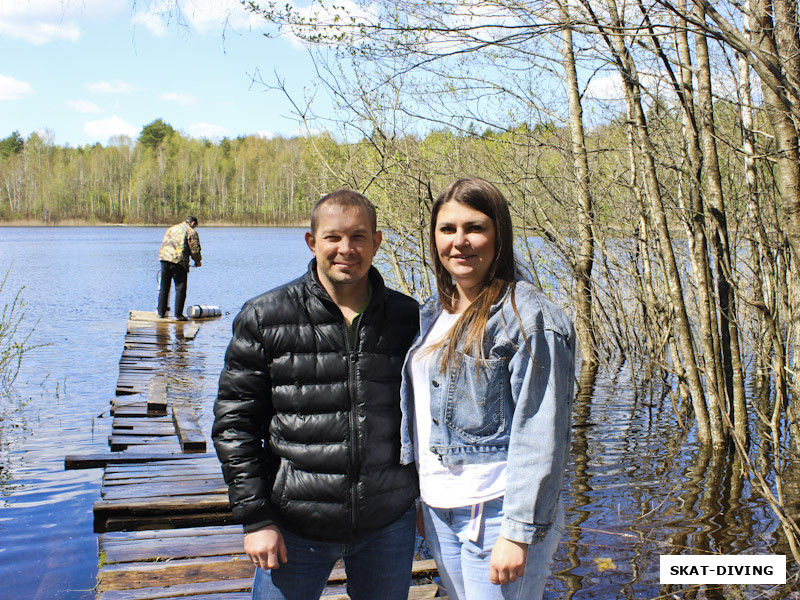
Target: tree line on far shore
(157,178)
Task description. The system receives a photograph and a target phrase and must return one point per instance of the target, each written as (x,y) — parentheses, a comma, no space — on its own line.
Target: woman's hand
(266,547)
(507,561)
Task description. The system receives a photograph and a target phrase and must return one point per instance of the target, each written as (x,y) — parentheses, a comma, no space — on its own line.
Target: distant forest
(157,178)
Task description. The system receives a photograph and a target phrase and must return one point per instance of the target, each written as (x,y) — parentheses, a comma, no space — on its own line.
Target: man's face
(344,245)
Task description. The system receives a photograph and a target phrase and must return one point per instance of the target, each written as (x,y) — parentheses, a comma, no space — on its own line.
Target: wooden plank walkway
(165,527)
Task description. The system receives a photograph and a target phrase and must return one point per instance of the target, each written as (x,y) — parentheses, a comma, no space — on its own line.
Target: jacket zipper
(352,354)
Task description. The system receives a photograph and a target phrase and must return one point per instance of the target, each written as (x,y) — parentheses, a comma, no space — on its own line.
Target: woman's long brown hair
(467,335)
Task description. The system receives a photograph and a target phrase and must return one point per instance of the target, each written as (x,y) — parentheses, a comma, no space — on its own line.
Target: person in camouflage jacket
(180,242)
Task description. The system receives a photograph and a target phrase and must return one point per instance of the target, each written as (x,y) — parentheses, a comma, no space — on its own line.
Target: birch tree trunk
(583,268)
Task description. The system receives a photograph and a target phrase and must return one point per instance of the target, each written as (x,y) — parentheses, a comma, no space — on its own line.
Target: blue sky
(89,69)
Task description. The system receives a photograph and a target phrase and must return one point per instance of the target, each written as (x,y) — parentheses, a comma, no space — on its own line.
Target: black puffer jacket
(330,414)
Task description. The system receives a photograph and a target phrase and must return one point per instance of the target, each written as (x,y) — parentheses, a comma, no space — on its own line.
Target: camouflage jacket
(180,242)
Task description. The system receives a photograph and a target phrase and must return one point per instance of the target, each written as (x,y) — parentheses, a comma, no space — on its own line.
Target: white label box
(750,569)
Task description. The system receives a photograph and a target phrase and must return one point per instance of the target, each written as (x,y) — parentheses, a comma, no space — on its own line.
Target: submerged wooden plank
(190,332)
(162,522)
(122,442)
(190,435)
(157,396)
(122,422)
(169,475)
(166,468)
(163,490)
(100,459)
(164,506)
(144,428)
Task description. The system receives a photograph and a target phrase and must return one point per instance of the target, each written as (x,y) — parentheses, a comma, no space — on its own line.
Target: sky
(86,70)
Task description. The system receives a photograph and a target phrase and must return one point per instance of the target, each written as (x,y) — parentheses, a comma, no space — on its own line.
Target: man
(307,419)
(180,242)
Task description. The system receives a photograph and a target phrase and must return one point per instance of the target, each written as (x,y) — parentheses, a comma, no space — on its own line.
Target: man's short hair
(345,197)
(191,219)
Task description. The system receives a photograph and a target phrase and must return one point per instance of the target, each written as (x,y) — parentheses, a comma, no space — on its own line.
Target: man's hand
(507,561)
(266,547)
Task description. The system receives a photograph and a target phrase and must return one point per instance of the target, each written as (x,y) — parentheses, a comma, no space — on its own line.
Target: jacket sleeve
(194,247)
(242,412)
(542,382)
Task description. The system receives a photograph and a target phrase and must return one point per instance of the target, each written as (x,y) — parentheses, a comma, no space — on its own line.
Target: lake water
(636,488)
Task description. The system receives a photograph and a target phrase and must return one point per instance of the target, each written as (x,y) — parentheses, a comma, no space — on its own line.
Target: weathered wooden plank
(123,422)
(135,377)
(164,522)
(190,332)
(129,411)
(196,570)
(144,428)
(123,390)
(122,442)
(100,459)
(417,592)
(135,550)
(165,506)
(189,463)
(163,490)
(190,435)
(132,364)
(157,396)
(167,467)
(191,590)
(174,480)
(159,534)
(189,470)
(179,591)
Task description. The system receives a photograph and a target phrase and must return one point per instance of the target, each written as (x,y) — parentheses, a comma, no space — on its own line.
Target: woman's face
(465,245)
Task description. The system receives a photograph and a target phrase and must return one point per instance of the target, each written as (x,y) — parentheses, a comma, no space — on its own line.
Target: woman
(487,395)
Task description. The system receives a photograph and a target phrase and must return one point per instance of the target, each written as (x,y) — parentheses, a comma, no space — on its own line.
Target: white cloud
(110,87)
(13,89)
(207,130)
(83,106)
(42,21)
(267,135)
(212,15)
(152,22)
(39,33)
(606,88)
(202,15)
(180,99)
(58,10)
(106,128)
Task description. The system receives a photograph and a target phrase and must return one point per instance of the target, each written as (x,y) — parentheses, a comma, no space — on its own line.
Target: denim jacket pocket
(476,405)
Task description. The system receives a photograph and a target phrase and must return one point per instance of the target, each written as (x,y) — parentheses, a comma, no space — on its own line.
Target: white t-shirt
(441,486)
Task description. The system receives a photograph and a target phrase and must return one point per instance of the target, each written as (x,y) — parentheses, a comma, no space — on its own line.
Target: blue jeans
(464,565)
(378,565)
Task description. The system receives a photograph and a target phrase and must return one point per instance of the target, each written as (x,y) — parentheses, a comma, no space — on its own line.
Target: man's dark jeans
(169,272)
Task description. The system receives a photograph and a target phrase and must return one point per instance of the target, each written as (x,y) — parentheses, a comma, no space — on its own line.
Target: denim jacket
(514,406)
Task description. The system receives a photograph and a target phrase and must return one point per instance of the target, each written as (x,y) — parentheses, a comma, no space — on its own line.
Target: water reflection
(639,487)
